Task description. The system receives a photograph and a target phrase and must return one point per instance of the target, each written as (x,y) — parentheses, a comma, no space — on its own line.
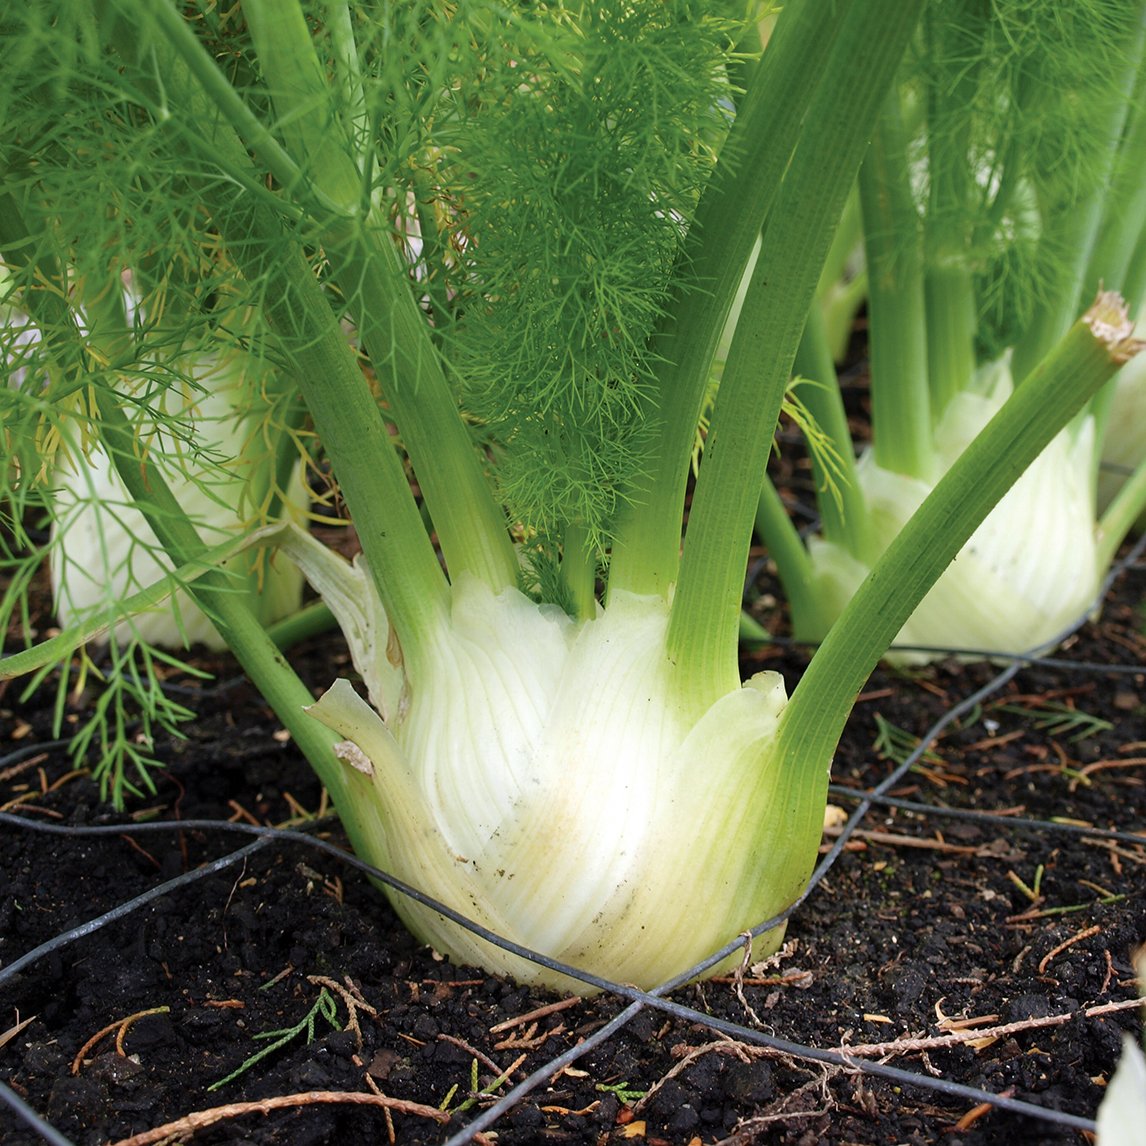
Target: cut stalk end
(1109,321)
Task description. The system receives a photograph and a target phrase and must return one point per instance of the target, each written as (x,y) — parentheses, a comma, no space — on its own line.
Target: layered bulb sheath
(553,781)
(1027,572)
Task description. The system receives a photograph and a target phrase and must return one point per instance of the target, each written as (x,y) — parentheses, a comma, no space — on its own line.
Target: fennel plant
(214,420)
(535,220)
(103,549)
(1004,188)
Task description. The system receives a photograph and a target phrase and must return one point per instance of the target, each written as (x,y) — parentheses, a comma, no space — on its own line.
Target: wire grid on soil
(637,1002)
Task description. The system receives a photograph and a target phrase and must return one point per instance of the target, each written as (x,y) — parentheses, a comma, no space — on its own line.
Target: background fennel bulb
(1124,443)
(103,548)
(1001,192)
(1027,572)
(1122,1112)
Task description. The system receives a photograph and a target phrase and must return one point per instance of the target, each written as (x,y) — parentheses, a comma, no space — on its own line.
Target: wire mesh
(636,1001)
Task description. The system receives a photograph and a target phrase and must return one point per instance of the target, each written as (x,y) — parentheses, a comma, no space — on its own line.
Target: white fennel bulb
(1027,572)
(1124,442)
(1122,1112)
(553,782)
(103,549)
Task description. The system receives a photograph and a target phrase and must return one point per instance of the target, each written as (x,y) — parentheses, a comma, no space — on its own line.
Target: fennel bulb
(1124,443)
(1122,1112)
(103,549)
(553,781)
(1027,572)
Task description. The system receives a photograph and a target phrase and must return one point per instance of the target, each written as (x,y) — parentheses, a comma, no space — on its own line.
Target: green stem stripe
(705,614)
(728,221)
(952,195)
(900,398)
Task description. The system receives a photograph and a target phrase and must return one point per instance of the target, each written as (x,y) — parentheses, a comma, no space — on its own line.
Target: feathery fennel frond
(1016,99)
(149,309)
(574,177)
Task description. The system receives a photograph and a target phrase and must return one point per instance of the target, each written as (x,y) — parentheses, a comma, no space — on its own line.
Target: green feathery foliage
(1015,98)
(566,185)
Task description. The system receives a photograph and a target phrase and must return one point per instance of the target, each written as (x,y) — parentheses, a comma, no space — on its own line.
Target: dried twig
(391,1137)
(937,1042)
(899,840)
(480,1055)
(1085,934)
(23,766)
(978,1111)
(1115,850)
(8,1035)
(352,997)
(783,1110)
(738,981)
(201,1119)
(538,1013)
(529,1039)
(1099,765)
(120,1026)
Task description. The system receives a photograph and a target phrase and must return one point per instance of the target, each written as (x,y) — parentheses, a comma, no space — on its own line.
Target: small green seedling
(475,1092)
(324,1008)
(897,744)
(1033,892)
(1058,719)
(621,1090)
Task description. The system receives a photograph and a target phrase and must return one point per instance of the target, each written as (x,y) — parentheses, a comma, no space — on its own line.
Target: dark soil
(923,919)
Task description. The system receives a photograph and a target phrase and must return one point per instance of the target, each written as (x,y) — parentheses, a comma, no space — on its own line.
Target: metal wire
(27,751)
(30,1118)
(780,1046)
(267,835)
(126,908)
(1021,823)
(1023,659)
